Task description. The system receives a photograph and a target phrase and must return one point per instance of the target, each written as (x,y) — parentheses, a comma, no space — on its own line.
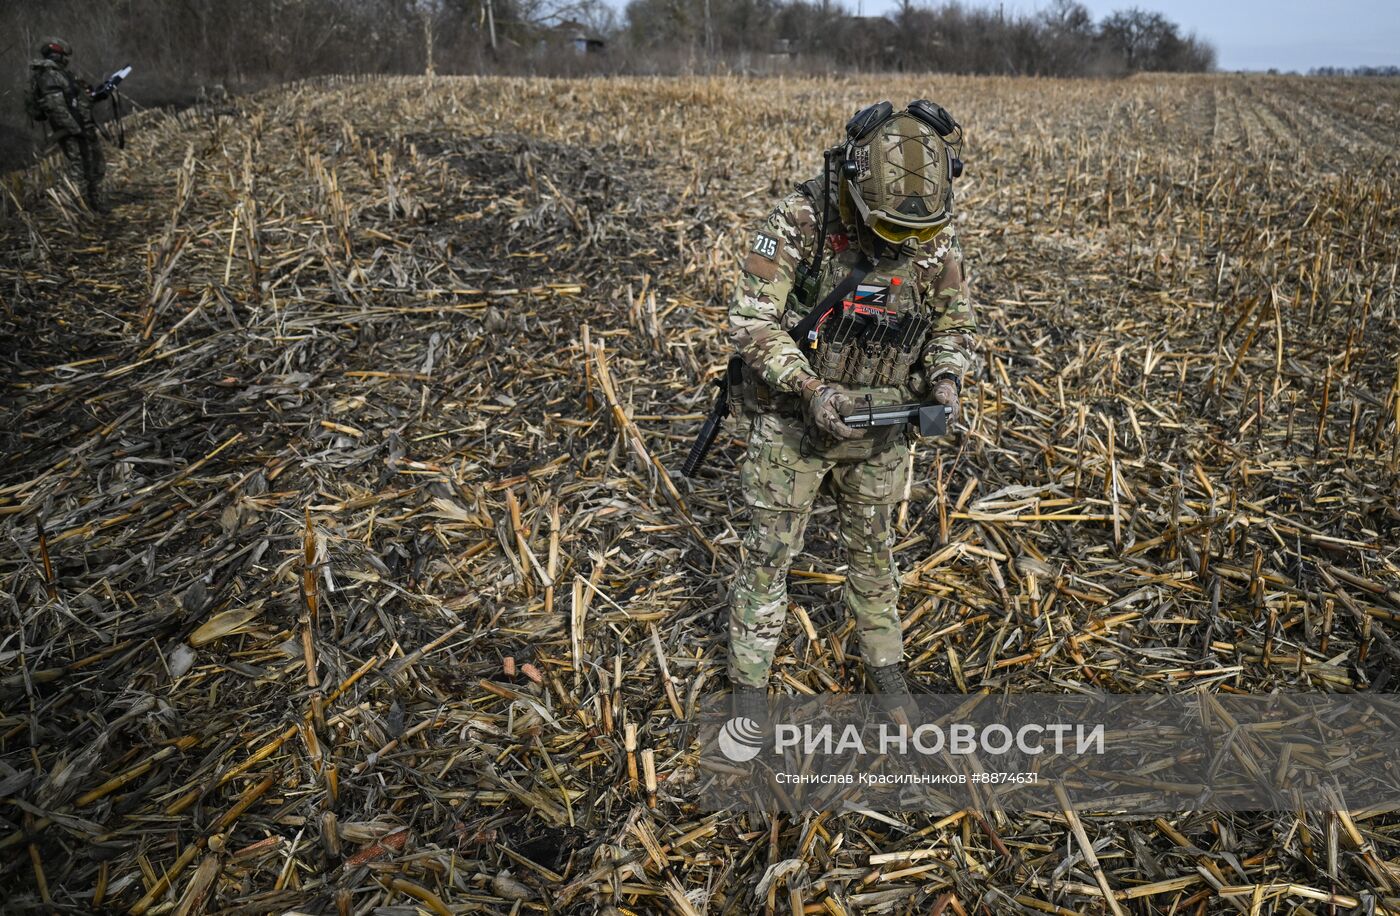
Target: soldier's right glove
(827,405)
(945,392)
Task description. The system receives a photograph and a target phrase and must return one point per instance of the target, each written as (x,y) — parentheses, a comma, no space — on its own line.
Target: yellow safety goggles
(898,235)
(894,231)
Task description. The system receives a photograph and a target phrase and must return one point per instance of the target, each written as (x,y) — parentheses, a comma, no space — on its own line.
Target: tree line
(177,46)
(191,41)
(1355,71)
(1061,40)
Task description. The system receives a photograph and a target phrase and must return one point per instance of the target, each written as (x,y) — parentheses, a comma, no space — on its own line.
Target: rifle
(109,89)
(932,419)
(733,374)
(110,84)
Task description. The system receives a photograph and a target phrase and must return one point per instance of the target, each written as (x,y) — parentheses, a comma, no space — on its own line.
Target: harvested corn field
(349,568)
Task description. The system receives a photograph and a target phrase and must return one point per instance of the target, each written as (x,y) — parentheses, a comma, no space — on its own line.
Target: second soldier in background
(867,254)
(64,102)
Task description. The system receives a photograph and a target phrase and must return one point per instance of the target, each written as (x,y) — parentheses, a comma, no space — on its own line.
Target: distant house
(783,48)
(574,34)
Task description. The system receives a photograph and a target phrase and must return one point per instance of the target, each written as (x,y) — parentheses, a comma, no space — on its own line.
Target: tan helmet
(55,47)
(897,177)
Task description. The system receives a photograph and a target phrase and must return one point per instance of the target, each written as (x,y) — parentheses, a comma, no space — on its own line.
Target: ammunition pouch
(857,362)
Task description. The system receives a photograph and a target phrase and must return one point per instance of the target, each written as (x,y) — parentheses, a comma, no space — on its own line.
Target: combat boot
(894,696)
(750,703)
(749,720)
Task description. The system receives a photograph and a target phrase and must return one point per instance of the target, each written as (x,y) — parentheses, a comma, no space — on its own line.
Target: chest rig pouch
(872,336)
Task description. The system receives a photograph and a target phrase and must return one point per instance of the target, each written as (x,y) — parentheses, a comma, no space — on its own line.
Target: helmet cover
(55,47)
(902,184)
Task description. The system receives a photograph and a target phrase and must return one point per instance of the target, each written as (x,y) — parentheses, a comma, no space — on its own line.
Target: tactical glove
(827,405)
(945,392)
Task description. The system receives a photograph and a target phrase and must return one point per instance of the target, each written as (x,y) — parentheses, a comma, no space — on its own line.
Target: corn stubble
(349,570)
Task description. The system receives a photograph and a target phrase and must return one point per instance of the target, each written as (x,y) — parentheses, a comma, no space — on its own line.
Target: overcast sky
(1258,34)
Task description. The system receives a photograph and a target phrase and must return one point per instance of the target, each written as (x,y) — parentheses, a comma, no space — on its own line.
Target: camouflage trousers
(86,167)
(782,473)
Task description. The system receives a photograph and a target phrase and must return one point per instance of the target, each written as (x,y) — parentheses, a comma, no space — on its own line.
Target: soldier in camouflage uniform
(64,101)
(883,205)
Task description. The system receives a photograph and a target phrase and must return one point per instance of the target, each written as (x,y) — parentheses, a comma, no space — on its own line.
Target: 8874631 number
(1002,778)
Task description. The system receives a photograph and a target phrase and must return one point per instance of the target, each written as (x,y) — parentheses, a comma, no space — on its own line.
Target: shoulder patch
(758,266)
(765,245)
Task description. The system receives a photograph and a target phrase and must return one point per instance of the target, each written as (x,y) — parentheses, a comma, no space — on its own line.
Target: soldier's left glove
(945,392)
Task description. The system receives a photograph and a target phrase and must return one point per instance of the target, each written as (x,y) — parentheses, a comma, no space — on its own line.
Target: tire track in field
(1263,139)
(1229,127)
(1280,133)
(1208,114)
(1362,136)
(1328,143)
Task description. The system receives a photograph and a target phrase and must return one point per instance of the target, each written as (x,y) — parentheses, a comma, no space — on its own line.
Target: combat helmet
(55,47)
(897,174)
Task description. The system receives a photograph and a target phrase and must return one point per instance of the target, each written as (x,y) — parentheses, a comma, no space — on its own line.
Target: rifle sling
(804,327)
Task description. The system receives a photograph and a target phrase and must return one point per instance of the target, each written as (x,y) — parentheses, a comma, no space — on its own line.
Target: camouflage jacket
(930,279)
(62,97)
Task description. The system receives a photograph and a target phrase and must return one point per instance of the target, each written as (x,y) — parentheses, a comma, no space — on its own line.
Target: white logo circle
(741,739)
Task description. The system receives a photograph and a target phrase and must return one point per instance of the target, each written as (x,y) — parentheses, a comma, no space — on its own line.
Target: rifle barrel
(709,432)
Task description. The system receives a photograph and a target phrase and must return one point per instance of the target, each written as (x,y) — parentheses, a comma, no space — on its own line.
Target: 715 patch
(766,246)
